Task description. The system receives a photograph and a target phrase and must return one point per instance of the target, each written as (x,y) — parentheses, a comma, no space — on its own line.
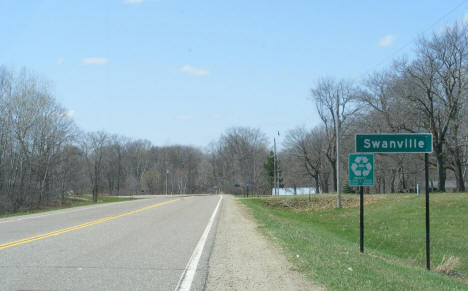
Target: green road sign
(394,143)
(361,170)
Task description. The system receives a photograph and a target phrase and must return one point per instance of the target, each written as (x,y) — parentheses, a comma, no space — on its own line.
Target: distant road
(135,245)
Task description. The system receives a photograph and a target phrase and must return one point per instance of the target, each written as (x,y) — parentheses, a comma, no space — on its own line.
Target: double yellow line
(76,227)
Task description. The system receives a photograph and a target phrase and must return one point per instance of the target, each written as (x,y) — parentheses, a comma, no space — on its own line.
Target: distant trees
(94,147)
(44,158)
(238,158)
(115,169)
(307,149)
(183,163)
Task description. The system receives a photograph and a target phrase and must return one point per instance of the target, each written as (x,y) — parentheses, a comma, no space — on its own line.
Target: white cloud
(94,61)
(69,113)
(386,40)
(60,60)
(133,1)
(465,18)
(194,71)
(216,116)
(184,116)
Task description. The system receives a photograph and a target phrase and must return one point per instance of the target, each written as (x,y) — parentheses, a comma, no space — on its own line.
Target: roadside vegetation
(323,242)
(69,202)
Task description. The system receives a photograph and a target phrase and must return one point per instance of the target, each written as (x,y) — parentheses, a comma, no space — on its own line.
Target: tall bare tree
(34,129)
(94,146)
(308,148)
(440,82)
(325,93)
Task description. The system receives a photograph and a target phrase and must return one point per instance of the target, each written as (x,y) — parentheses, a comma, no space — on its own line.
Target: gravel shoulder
(243,259)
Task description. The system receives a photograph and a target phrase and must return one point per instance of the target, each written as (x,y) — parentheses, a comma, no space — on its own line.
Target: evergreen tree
(346,188)
(269,167)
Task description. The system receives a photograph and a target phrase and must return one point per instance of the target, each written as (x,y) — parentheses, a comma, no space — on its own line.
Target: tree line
(426,94)
(44,156)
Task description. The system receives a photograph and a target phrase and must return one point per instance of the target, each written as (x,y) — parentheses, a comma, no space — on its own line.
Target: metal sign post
(361,173)
(428,240)
(361,219)
(400,143)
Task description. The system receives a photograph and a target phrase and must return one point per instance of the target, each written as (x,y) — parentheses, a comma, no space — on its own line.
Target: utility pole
(277,171)
(167,173)
(464,154)
(337,125)
(275,168)
(274,165)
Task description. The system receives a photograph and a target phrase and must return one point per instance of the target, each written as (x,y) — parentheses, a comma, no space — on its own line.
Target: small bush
(448,265)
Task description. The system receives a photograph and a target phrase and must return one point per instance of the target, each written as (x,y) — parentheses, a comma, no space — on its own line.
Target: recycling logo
(361,169)
(361,166)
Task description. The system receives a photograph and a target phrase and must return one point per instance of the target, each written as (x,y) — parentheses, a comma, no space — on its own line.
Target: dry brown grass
(448,265)
(317,202)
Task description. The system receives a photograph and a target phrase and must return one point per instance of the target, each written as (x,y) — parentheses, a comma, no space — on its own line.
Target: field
(323,242)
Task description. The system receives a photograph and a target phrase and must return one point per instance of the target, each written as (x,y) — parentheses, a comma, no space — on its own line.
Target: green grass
(72,201)
(327,242)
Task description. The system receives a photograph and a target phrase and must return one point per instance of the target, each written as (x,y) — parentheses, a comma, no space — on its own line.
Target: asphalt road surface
(147,244)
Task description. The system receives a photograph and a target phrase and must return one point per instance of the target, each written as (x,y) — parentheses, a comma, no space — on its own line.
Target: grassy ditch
(71,201)
(323,242)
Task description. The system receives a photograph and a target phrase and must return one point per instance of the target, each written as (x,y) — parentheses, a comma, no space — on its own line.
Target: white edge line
(52,212)
(185,281)
(57,211)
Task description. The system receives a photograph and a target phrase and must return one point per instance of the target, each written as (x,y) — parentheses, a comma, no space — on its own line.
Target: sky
(183,72)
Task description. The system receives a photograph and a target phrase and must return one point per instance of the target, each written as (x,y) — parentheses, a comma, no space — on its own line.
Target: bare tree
(440,84)
(137,155)
(34,129)
(71,174)
(308,147)
(151,178)
(93,148)
(238,159)
(325,94)
(115,170)
(383,94)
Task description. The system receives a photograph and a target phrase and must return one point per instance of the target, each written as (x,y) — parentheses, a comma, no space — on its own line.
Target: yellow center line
(76,227)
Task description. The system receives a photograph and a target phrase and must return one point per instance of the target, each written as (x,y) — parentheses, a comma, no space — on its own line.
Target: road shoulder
(243,259)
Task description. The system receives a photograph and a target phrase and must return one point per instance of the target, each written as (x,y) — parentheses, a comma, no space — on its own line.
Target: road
(135,245)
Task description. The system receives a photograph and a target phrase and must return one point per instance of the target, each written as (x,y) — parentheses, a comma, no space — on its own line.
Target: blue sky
(182,72)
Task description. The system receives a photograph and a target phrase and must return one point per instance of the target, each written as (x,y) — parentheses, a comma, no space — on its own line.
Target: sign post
(361,173)
(402,143)
(361,219)
(428,240)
